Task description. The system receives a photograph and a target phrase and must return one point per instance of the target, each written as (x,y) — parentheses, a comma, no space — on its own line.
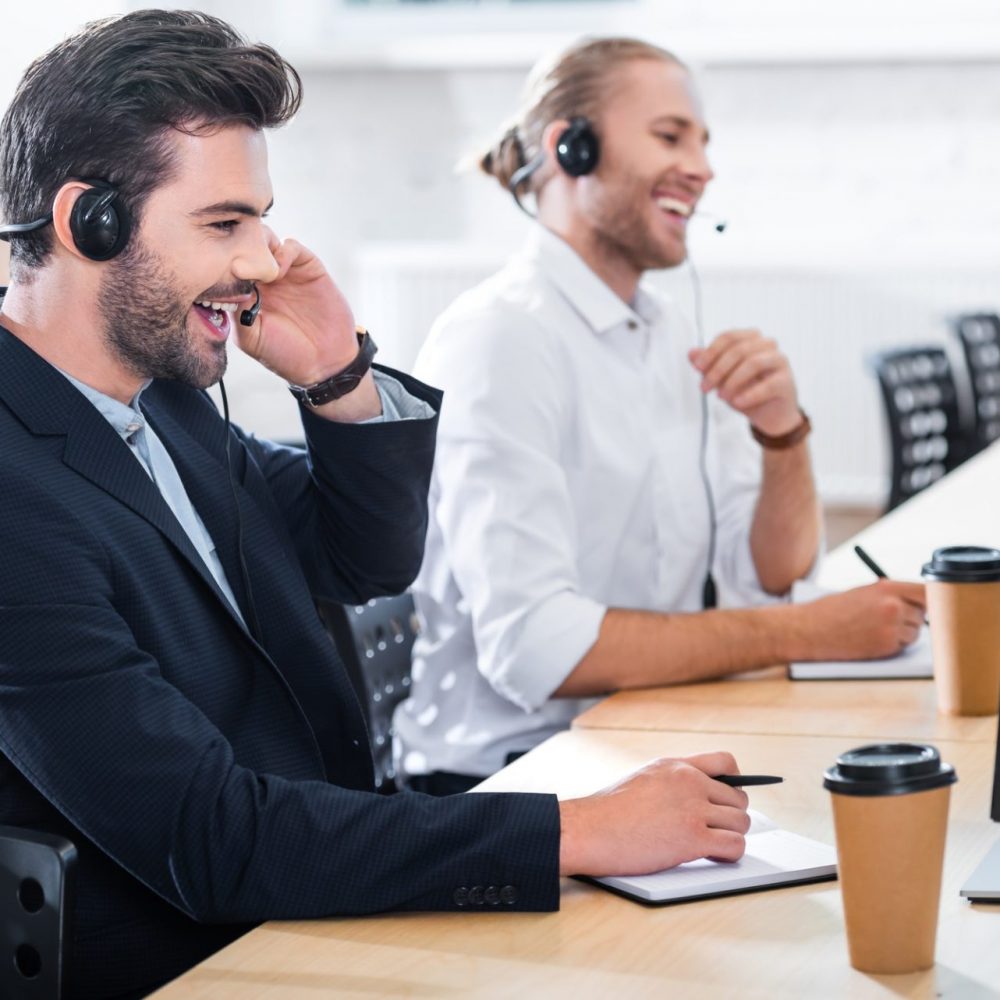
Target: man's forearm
(646,648)
(784,536)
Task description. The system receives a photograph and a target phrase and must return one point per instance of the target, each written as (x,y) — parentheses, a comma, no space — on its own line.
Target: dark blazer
(208,779)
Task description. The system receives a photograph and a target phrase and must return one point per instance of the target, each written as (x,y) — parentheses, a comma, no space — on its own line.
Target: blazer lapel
(48,404)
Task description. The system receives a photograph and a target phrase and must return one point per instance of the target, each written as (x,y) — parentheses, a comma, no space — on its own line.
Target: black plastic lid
(888,769)
(963,564)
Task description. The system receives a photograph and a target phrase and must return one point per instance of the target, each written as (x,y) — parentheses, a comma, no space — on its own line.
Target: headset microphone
(719,225)
(249,316)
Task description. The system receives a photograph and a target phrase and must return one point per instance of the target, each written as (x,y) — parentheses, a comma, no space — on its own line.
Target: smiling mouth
(675,207)
(216,313)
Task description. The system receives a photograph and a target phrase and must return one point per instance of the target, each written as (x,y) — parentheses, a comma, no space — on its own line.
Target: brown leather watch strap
(778,442)
(342,382)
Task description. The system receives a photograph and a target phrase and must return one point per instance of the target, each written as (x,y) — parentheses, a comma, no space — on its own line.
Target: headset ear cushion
(100,223)
(577,148)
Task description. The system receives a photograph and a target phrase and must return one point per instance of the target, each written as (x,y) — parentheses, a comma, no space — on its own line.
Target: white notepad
(913,662)
(774,857)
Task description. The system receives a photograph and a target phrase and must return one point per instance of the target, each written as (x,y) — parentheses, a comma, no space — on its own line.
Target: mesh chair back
(375,640)
(921,406)
(979,334)
(36,883)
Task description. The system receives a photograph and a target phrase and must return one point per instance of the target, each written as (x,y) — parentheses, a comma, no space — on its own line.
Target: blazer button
(476,895)
(461,896)
(508,895)
(492,895)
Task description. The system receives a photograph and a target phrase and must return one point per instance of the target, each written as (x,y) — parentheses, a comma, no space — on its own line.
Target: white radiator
(828,322)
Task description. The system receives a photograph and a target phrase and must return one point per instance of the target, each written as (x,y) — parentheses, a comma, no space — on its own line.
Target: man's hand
(860,624)
(751,374)
(305,331)
(668,812)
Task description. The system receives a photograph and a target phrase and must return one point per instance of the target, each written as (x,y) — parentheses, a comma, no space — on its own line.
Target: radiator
(827,320)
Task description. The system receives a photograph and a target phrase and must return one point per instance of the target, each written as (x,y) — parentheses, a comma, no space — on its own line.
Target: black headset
(577,149)
(577,153)
(100,222)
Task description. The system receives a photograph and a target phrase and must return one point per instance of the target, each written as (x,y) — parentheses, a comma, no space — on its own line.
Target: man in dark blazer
(169,700)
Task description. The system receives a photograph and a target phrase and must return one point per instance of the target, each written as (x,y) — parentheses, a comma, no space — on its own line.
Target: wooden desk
(783,943)
(767,702)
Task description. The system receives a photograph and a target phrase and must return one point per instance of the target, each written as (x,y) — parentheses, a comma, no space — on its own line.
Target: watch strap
(344,381)
(778,442)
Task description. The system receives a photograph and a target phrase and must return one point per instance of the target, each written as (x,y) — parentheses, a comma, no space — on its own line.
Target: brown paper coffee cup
(890,827)
(890,852)
(965,643)
(963,606)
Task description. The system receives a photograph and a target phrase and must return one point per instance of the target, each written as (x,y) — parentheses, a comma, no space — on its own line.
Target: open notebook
(912,662)
(774,857)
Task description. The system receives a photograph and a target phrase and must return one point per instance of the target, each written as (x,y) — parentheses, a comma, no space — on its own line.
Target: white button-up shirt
(566,482)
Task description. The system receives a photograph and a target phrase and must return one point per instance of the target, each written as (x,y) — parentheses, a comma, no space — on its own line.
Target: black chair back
(921,407)
(36,898)
(375,640)
(979,335)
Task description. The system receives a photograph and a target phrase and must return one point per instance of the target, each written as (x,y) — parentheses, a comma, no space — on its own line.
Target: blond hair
(572,84)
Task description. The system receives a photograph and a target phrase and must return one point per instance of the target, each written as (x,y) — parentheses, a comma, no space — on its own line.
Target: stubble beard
(145,323)
(622,229)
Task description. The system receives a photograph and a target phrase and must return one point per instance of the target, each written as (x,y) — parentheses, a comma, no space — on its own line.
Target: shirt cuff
(397,403)
(553,639)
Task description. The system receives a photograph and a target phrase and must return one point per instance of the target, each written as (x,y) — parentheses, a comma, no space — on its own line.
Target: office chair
(921,407)
(374,641)
(979,335)
(36,897)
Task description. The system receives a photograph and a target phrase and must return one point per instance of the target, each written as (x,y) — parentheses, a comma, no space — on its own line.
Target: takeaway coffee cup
(963,607)
(890,812)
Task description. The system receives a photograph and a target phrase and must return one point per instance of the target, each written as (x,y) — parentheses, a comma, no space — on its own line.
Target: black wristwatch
(344,381)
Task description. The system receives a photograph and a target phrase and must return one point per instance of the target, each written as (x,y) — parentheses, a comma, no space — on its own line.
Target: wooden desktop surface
(786,942)
(963,508)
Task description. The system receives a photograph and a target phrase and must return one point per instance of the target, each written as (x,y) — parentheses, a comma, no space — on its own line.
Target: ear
(62,209)
(550,137)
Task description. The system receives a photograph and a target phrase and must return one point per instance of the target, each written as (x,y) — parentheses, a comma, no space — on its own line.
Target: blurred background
(856,147)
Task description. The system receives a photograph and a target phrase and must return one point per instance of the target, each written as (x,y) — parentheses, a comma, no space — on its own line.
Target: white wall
(857,137)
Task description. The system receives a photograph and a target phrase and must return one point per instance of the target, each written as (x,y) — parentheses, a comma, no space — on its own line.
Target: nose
(697,166)
(254,260)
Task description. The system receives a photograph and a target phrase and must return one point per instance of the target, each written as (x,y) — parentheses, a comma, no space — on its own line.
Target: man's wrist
(780,442)
(341,382)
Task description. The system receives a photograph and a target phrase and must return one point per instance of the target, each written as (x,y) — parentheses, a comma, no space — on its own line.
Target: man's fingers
(725,845)
(774,386)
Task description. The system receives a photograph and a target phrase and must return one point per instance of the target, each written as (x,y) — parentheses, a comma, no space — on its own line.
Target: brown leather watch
(778,442)
(344,381)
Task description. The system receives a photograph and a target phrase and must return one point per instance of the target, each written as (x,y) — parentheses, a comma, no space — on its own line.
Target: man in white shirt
(587,513)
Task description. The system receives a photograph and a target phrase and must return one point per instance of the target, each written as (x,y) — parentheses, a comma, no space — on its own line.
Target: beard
(146,323)
(619,218)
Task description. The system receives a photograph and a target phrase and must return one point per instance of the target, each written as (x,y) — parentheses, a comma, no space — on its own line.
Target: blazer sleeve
(356,508)
(91,721)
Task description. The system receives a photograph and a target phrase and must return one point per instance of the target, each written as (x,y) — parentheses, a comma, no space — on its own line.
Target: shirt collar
(125,418)
(596,303)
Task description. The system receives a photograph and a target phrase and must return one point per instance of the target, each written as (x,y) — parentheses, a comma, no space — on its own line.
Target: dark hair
(100,103)
(573,83)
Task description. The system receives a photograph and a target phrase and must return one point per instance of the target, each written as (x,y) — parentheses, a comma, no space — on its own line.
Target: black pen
(739,780)
(870,563)
(875,568)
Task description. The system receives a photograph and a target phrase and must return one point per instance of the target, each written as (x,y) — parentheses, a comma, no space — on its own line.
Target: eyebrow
(232,208)
(680,122)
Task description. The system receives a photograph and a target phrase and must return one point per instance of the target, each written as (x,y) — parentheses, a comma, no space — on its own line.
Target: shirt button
(461,896)
(476,895)
(508,895)
(632,324)
(492,895)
